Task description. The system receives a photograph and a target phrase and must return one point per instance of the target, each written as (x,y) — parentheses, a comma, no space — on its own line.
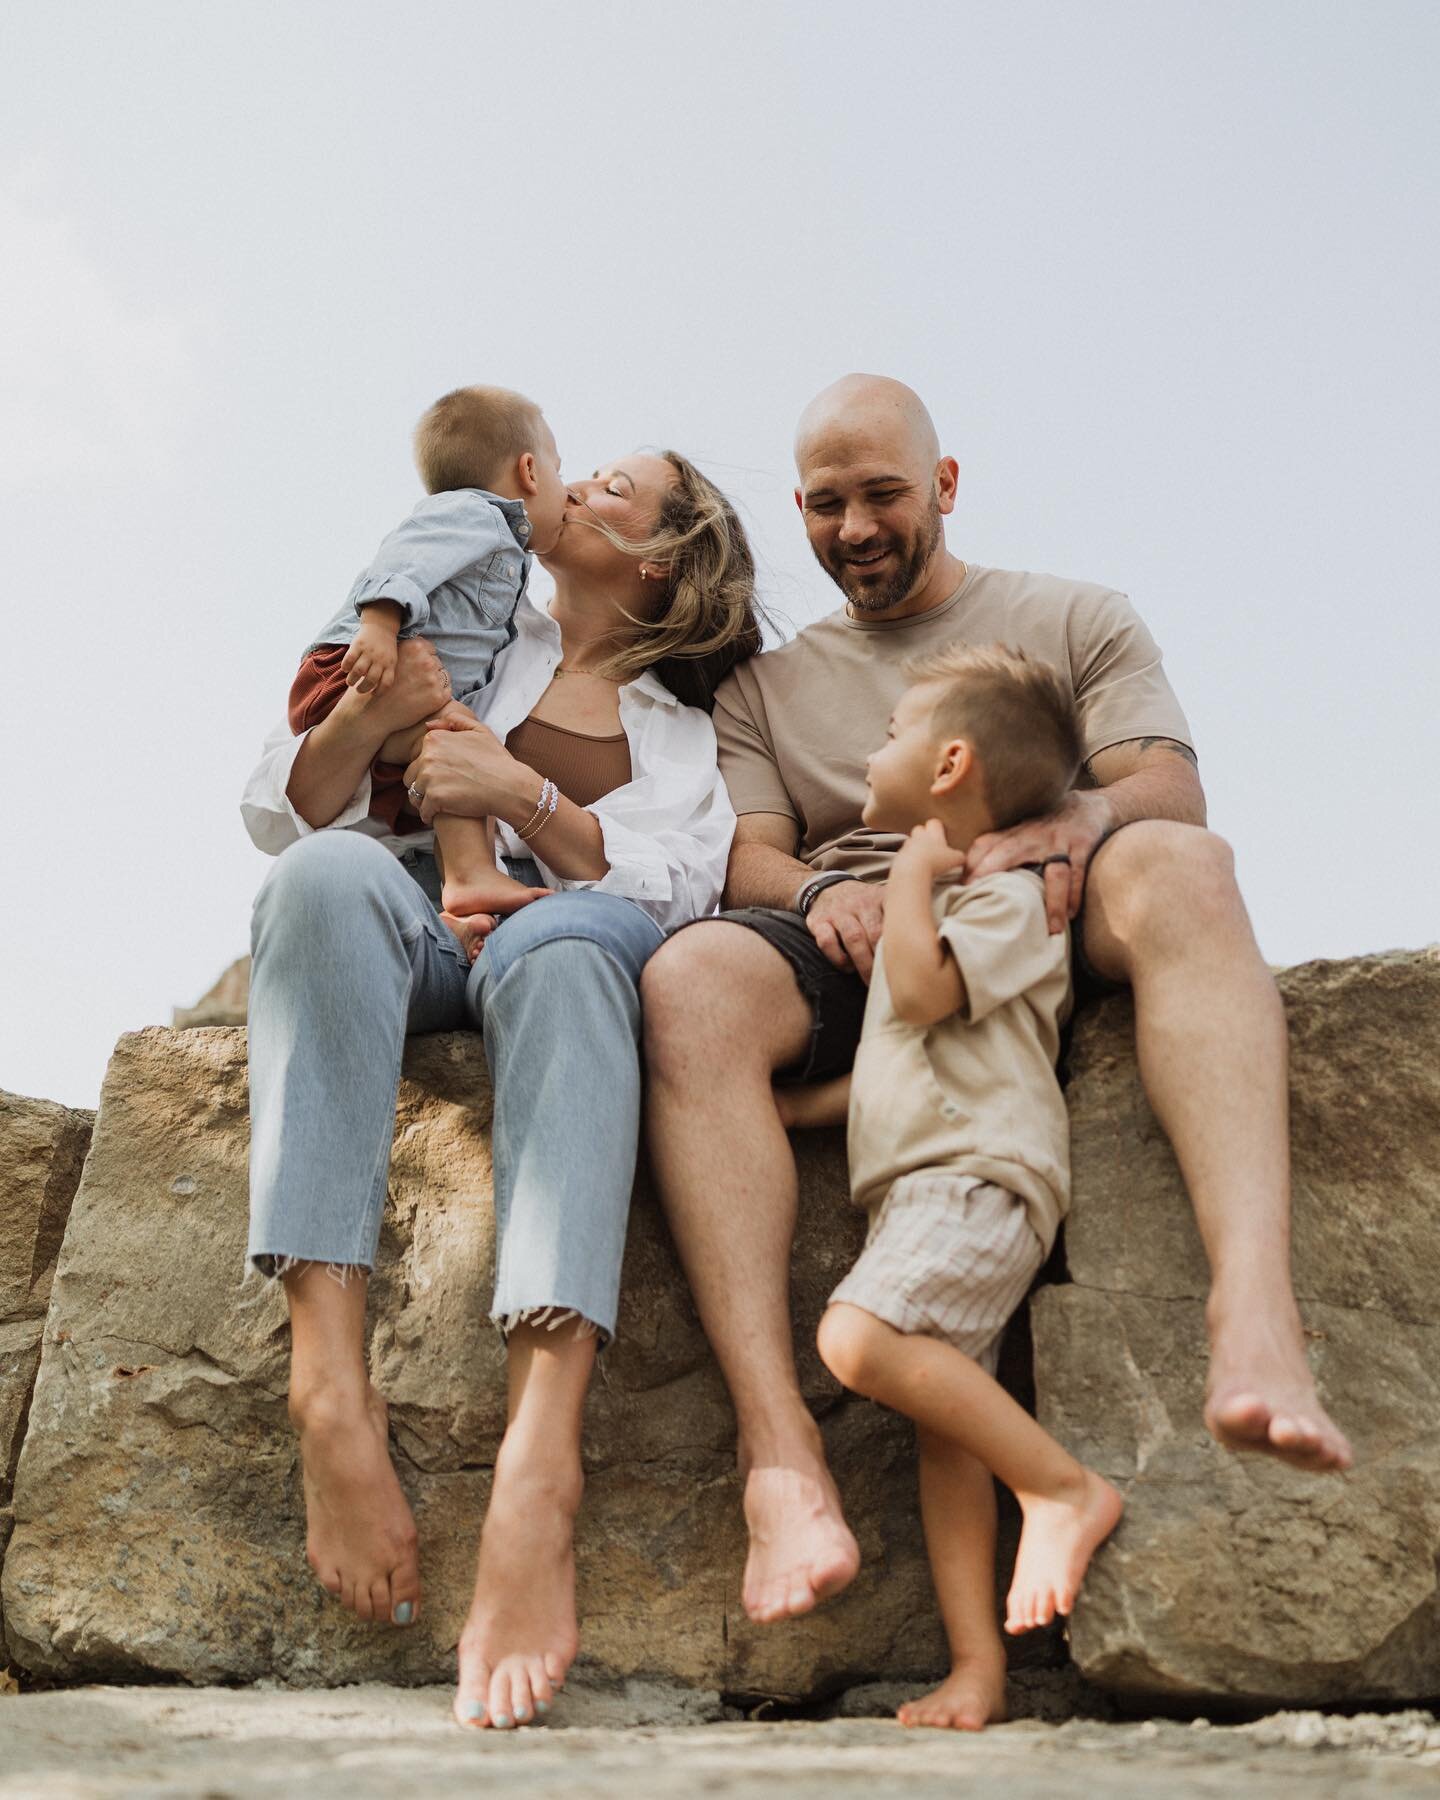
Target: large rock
(42,1147)
(224,1004)
(159,1525)
(1235,1577)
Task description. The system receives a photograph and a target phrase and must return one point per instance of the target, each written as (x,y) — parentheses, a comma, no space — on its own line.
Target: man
(734,1002)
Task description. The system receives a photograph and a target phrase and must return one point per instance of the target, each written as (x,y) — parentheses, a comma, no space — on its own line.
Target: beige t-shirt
(976,1093)
(796,723)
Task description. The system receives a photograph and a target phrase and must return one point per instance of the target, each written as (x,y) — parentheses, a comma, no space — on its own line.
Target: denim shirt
(457,566)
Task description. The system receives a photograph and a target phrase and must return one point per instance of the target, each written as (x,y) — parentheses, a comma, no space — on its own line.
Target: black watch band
(814,888)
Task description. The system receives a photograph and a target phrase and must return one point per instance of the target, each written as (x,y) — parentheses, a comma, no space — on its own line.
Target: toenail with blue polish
(522,1716)
(473,1709)
(404,1612)
(542,1707)
(502,1720)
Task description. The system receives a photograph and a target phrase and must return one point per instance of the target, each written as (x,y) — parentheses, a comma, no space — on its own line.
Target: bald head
(866,418)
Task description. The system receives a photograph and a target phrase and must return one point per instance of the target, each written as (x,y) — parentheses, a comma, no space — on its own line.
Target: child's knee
(846,1340)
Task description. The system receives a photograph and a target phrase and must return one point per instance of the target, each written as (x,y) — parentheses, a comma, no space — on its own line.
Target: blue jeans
(349,956)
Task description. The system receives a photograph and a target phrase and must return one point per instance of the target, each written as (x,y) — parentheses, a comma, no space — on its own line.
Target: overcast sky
(1165,273)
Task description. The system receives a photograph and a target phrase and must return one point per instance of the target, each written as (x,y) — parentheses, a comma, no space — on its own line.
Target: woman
(654,602)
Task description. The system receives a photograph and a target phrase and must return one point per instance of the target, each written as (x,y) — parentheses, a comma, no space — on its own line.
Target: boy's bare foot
(801,1549)
(521,1637)
(361,1539)
(487,891)
(970,1697)
(1261,1395)
(1056,1543)
(472,931)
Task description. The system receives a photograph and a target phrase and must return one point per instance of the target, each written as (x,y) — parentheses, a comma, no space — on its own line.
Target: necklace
(560,669)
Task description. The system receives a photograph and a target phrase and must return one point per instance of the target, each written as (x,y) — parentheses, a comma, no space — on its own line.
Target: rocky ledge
(158,1527)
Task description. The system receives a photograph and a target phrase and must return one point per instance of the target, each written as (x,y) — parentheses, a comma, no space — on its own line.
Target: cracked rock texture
(42,1147)
(1233,1576)
(159,1523)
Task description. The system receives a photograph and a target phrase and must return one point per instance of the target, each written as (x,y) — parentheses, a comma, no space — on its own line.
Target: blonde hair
(709,619)
(1019,717)
(470,437)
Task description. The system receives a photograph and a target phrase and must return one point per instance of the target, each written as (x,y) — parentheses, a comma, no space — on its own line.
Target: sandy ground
(363,1742)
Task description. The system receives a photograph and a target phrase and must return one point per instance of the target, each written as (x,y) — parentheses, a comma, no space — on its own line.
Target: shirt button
(949,1110)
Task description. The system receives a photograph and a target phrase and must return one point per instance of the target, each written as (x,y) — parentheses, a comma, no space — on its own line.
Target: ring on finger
(416,795)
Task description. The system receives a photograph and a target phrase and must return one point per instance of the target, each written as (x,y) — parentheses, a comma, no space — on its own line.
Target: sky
(1165,274)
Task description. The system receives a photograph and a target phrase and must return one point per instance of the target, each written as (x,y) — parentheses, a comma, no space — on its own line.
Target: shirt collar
(515,514)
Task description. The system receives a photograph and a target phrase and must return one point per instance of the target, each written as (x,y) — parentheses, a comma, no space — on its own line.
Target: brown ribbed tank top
(584,768)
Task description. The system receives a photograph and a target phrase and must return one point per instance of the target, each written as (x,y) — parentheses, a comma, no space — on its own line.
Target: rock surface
(371,1743)
(1230,1576)
(42,1147)
(223,1004)
(159,1525)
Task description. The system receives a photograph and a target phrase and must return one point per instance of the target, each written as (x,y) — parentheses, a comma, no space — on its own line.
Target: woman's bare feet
(801,1549)
(521,1635)
(1261,1395)
(970,1697)
(361,1539)
(1056,1543)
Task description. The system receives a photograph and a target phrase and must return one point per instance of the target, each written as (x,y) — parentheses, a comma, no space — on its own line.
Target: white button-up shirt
(667,832)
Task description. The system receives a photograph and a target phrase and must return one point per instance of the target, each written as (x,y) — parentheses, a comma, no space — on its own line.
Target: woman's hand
(463,769)
(403,746)
(419,691)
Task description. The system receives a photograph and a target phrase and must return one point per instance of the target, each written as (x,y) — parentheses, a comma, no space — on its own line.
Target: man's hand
(369,663)
(846,921)
(927,851)
(1064,841)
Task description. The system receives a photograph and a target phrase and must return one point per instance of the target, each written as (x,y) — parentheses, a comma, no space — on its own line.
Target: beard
(870,596)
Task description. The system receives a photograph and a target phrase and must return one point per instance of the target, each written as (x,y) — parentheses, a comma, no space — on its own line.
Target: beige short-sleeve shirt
(977,1093)
(795,724)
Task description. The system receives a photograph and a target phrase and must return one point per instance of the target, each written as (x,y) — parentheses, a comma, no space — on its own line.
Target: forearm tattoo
(1154,743)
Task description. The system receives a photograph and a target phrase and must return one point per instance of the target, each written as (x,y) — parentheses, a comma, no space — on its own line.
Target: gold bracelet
(549,800)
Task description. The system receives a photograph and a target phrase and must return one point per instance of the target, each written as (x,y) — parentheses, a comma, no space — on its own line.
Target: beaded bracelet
(549,800)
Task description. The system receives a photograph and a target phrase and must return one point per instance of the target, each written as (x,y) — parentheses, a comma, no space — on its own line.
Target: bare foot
(521,1637)
(970,1697)
(361,1540)
(1261,1395)
(1056,1543)
(487,891)
(801,1550)
(472,930)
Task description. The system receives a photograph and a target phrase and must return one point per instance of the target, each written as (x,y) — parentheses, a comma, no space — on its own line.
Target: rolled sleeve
(997,932)
(1121,689)
(270,818)
(403,589)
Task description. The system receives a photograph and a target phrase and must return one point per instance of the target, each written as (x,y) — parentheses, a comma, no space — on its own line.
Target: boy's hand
(369,664)
(926,852)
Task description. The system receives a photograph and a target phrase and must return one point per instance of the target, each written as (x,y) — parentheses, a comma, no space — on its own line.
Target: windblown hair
(1017,715)
(470,438)
(708,619)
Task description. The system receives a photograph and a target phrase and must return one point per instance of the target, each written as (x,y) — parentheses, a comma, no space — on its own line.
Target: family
(668,874)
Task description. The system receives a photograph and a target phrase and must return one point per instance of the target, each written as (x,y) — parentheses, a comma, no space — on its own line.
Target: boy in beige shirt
(959,1149)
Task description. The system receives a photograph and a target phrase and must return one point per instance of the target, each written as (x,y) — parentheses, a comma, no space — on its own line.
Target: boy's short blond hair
(470,438)
(1019,717)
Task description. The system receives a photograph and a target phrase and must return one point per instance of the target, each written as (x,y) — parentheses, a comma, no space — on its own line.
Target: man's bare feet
(970,1697)
(1261,1395)
(801,1550)
(521,1637)
(1057,1540)
(361,1539)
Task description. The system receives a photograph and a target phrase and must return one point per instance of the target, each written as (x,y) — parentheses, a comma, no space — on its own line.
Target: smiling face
(873,488)
(624,496)
(899,776)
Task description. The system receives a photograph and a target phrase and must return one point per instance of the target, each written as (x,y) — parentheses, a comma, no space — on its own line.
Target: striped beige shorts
(949,1257)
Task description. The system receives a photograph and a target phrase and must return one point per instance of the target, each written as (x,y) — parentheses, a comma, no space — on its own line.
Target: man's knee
(712,983)
(1158,878)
